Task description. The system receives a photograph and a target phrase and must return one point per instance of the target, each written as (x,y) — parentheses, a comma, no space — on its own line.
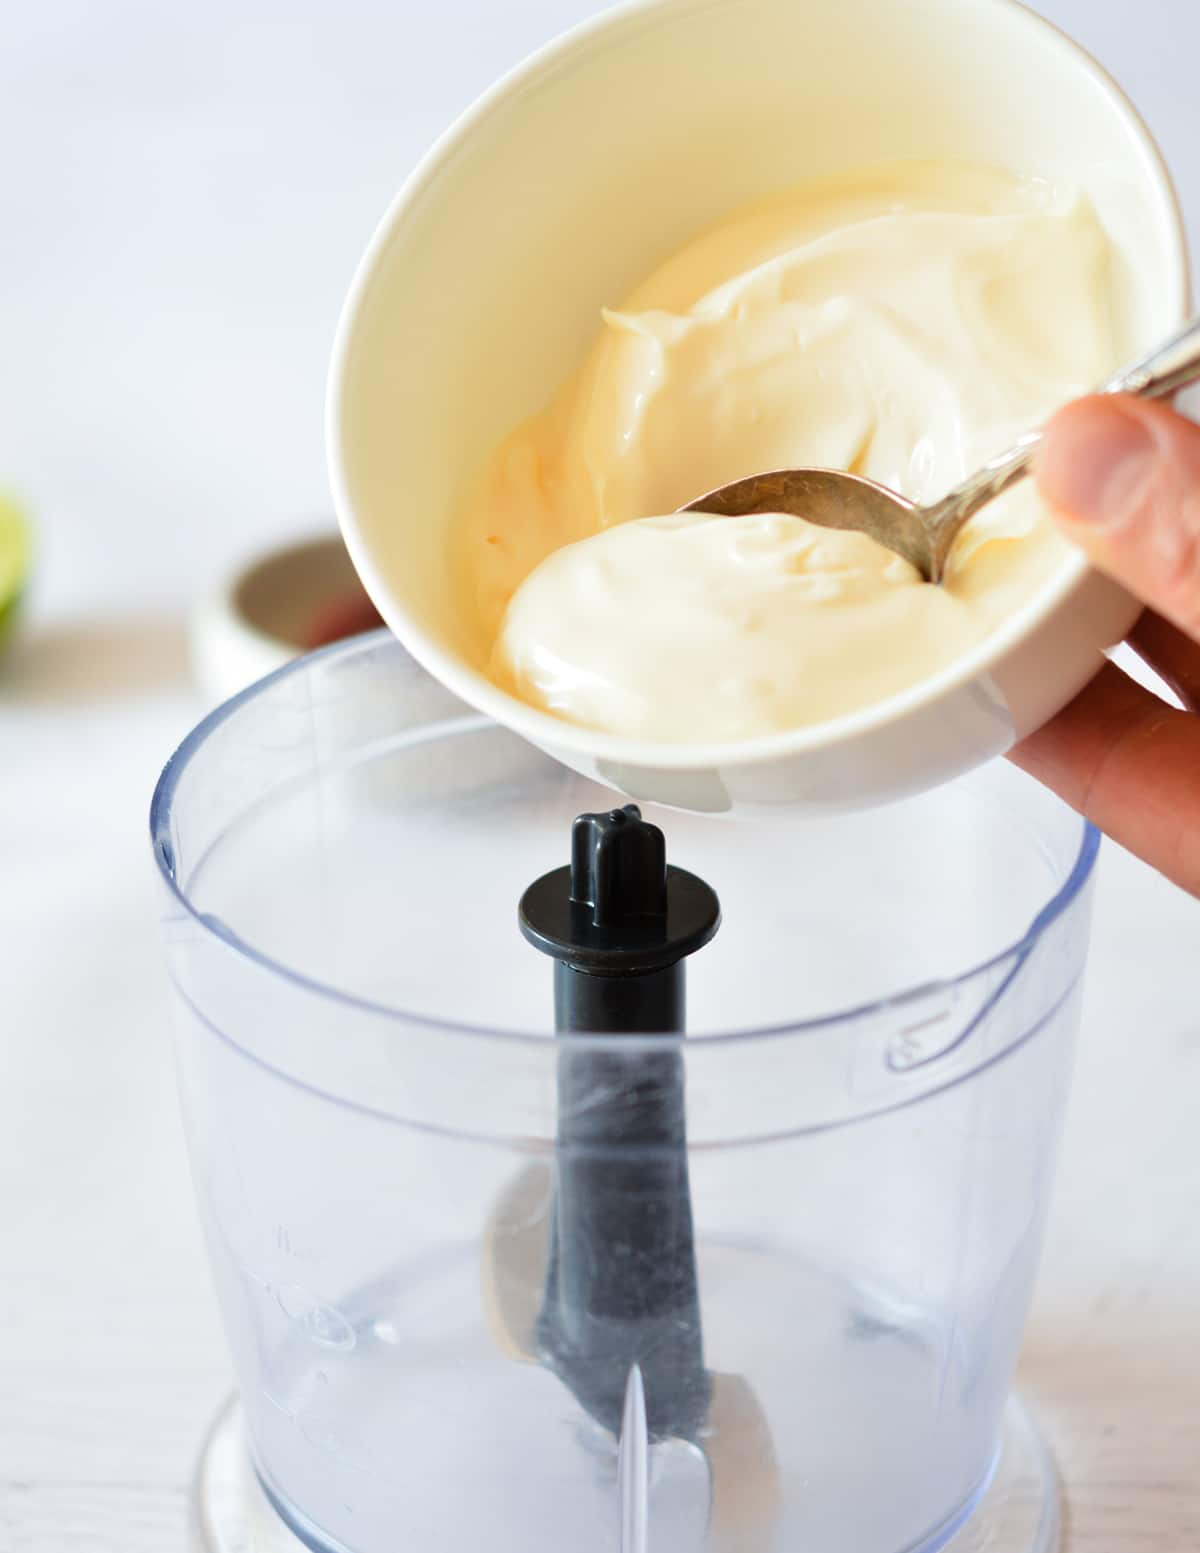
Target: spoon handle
(1156,375)
(1164,370)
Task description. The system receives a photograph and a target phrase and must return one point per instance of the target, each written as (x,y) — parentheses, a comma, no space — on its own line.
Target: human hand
(1123,478)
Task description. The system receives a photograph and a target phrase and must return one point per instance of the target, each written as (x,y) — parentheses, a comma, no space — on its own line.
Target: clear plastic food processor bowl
(385,1148)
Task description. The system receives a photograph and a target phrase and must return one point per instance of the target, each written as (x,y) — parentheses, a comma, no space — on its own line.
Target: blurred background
(184,195)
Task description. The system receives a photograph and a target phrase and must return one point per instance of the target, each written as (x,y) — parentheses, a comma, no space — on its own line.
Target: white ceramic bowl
(571,180)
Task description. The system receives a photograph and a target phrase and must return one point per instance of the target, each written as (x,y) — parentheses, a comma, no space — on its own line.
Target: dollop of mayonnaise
(905,325)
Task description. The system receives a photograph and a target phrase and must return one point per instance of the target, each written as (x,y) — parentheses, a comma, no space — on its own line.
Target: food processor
(580,1175)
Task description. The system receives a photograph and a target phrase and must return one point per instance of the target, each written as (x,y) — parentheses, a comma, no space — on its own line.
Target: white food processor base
(1020,1512)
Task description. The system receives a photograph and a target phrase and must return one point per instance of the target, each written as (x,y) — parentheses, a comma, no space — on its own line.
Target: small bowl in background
(271,608)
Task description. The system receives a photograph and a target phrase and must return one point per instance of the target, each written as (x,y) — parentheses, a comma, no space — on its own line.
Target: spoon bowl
(830,498)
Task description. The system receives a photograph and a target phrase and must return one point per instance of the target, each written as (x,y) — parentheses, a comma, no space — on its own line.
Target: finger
(1123,477)
(1131,765)
(1171,654)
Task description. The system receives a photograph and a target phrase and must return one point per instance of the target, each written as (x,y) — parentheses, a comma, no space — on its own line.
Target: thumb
(1122,476)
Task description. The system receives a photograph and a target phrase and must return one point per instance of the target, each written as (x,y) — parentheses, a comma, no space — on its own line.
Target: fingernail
(1095,462)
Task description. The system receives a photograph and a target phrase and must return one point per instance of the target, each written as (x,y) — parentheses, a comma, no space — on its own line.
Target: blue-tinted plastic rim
(162,805)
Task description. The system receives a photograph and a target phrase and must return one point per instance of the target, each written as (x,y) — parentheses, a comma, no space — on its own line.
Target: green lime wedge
(15,552)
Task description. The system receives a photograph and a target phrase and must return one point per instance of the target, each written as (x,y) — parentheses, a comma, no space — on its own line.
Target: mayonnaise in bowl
(905,323)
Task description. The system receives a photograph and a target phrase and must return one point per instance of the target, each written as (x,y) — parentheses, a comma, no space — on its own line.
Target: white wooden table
(183,194)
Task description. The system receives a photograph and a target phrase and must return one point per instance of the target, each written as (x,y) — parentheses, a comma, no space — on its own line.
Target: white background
(184,192)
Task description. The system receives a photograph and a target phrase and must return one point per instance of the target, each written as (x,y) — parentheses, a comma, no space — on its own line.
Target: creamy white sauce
(906,324)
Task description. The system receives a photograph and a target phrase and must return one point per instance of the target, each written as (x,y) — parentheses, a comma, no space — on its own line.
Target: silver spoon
(832,498)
